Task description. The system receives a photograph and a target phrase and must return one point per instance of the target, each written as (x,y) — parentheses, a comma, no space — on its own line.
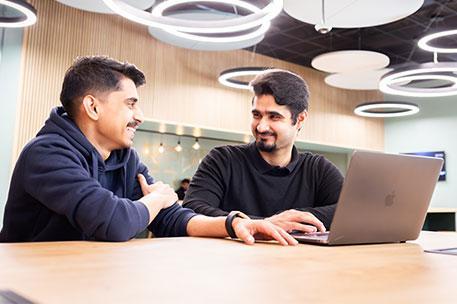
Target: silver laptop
(384,199)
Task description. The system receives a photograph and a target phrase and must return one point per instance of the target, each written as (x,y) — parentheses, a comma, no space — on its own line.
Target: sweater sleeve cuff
(185,221)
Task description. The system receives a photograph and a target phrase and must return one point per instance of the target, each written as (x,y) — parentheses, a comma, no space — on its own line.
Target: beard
(262,145)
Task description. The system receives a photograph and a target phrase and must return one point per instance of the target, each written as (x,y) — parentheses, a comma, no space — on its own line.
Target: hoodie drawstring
(94,165)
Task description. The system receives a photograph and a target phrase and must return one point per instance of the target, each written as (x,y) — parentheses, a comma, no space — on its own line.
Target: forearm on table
(201,225)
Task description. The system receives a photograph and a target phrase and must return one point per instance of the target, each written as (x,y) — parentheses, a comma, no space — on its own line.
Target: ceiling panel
(298,42)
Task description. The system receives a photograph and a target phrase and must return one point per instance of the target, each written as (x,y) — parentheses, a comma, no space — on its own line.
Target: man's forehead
(267,103)
(127,84)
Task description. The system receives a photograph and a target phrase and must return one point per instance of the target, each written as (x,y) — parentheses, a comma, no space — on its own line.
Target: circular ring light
(181,40)
(191,26)
(226,77)
(423,43)
(27,11)
(158,11)
(386,109)
(349,61)
(397,82)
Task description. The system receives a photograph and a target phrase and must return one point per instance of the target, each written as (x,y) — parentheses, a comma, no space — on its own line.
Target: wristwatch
(229,221)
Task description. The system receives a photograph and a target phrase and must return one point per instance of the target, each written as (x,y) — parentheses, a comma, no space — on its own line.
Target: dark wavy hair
(95,74)
(287,88)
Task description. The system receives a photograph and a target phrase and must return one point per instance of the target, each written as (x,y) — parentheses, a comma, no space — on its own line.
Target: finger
(308,218)
(318,224)
(301,227)
(290,240)
(143,183)
(272,231)
(156,186)
(243,233)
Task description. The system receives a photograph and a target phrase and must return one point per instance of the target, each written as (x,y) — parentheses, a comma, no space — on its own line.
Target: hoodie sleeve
(169,222)
(55,175)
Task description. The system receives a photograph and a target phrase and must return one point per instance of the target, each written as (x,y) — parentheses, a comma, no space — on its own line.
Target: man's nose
(138,115)
(263,126)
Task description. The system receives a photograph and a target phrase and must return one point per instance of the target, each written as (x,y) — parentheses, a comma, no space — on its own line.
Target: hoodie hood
(61,124)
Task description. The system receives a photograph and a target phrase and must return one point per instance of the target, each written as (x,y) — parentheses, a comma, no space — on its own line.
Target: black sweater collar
(265,168)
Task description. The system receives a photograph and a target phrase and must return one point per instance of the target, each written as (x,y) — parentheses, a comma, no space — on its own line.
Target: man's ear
(301,119)
(90,104)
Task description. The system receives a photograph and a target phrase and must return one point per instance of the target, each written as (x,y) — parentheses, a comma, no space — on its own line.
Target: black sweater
(238,178)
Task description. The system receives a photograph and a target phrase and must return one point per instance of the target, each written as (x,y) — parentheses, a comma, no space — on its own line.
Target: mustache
(133,124)
(265,133)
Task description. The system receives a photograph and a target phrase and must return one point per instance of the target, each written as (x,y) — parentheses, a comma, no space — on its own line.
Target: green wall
(434,128)
(10,52)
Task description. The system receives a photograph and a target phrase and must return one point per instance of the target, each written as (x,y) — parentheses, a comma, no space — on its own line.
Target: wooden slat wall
(181,84)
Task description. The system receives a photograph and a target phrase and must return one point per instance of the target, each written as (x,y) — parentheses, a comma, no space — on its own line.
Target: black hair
(287,88)
(95,74)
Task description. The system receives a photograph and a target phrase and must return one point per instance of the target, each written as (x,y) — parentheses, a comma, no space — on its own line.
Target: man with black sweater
(268,178)
(79,178)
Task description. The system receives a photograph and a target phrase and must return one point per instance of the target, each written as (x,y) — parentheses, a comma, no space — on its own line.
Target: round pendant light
(351,13)
(27,13)
(349,61)
(364,80)
(424,42)
(227,77)
(399,82)
(211,43)
(178,147)
(183,42)
(161,148)
(191,26)
(196,145)
(384,109)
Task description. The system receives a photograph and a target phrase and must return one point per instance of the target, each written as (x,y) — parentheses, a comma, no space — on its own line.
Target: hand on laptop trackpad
(298,233)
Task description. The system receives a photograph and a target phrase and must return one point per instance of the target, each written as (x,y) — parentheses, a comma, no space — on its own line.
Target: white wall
(10,49)
(433,129)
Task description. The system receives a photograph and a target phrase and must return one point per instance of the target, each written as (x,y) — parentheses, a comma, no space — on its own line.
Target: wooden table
(198,270)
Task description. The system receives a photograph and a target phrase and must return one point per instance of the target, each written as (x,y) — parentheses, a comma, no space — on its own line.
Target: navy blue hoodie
(62,190)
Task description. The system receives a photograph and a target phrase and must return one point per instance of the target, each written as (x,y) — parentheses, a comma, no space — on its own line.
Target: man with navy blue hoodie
(79,179)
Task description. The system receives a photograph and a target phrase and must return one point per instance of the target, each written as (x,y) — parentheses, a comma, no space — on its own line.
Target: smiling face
(118,116)
(272,124)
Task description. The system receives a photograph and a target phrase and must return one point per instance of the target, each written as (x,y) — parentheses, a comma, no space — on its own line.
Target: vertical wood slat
(181,84)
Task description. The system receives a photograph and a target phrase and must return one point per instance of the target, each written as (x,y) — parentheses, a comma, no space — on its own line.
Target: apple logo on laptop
(389,200)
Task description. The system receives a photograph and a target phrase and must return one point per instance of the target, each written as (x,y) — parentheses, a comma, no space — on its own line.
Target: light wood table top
(199,270)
